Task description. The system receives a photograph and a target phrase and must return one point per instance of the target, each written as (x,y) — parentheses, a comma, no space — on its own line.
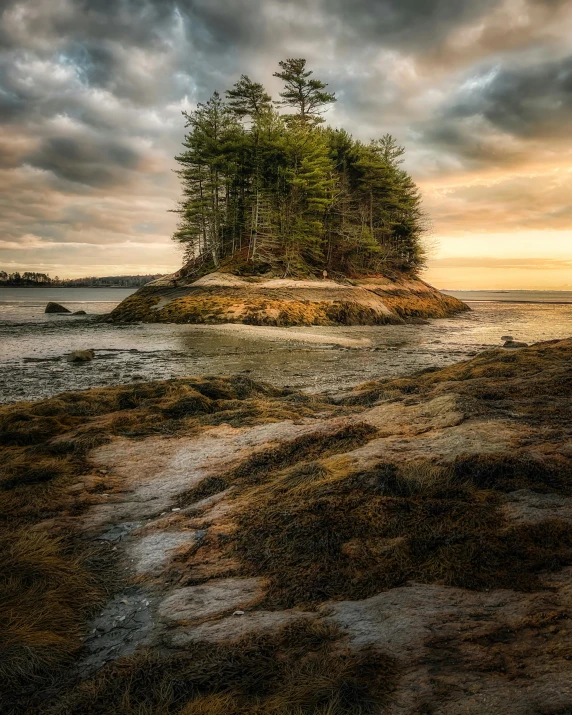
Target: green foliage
(286,194)
(306,95)
(248,98)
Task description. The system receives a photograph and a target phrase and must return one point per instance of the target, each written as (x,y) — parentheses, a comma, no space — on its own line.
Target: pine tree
(206,165)
(309,182)
(248,98)
(306,95)
(282,193)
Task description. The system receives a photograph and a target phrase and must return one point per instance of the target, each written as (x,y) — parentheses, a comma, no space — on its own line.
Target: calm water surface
(33,345)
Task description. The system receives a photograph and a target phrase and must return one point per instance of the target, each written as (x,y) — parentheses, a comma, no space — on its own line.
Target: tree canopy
(264,191)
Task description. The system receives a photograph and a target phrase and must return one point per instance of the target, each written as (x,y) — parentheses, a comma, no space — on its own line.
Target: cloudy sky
(479,92)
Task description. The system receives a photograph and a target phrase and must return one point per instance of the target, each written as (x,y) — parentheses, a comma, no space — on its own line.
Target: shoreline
(219,297)
(234,517)
(527,302)
(33,361)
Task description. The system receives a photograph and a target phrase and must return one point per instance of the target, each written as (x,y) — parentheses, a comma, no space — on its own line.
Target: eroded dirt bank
(226,298)
(215,545)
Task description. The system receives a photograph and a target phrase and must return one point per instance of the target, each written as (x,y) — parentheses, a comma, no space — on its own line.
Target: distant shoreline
(522,296)
(469,295)
(531,302)
(43,287)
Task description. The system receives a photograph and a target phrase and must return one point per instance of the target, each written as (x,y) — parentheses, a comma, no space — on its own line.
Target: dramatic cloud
(91,93)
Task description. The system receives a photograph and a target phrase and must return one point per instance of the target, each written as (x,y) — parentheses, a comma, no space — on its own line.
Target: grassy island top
(265,191)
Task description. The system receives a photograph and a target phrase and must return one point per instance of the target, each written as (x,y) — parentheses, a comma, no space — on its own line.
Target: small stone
(507,337)
(238,613)
(81,356)
(176,508)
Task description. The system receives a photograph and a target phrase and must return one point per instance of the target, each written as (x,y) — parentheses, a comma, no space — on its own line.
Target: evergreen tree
(309,185)
(248,98)
(206,173)
(306,95)
(283,193)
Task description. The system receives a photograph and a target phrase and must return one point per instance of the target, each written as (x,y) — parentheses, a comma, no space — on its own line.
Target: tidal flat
(33,346)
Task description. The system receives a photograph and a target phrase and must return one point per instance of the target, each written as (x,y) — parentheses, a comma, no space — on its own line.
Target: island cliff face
(257,300)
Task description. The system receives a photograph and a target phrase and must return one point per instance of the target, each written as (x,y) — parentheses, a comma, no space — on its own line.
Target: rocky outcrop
(52,307)
(514,344)
(226,298)
(407,547)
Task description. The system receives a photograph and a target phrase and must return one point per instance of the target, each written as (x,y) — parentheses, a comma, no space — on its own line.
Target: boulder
(55,308)
(507,337)
(514,344)
(81,356)
(79,312)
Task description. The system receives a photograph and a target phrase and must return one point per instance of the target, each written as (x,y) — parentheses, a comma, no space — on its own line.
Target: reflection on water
(32,360)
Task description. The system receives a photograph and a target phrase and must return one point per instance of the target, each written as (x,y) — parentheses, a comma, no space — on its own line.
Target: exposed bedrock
(410,545)
(226,298)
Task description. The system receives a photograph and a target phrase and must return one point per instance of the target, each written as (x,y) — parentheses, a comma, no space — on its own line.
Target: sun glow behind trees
(285,192)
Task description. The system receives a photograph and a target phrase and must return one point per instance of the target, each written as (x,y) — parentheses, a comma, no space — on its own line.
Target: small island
(287,221)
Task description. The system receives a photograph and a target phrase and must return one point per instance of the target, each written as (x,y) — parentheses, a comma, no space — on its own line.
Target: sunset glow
(480,94)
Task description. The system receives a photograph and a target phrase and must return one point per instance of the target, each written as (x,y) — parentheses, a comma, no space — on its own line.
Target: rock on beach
(81,356)
(52,307)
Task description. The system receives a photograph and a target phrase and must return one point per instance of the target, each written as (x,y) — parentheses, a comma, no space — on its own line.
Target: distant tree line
(29,278)
(264,190)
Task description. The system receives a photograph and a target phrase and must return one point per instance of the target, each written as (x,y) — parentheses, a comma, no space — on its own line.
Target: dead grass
(255,306)
(136,307)
(304,519)
(509,472)
(254,470)
(532,384)
(46,588)
(46,444)
(301,449)
(320,535)
(207,307)
(301,670)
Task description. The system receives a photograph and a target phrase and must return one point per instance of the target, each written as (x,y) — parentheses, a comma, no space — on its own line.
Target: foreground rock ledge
(226,298)
(410,546)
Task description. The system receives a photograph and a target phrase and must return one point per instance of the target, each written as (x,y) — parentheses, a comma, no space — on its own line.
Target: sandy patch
(258,332)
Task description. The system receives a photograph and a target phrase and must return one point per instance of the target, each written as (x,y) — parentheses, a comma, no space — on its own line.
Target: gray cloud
(91,93)
(407,23)
(96,163)
(524,101)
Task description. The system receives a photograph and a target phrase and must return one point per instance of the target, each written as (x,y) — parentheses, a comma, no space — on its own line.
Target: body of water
(28,304)
(33,345)
(513,296)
